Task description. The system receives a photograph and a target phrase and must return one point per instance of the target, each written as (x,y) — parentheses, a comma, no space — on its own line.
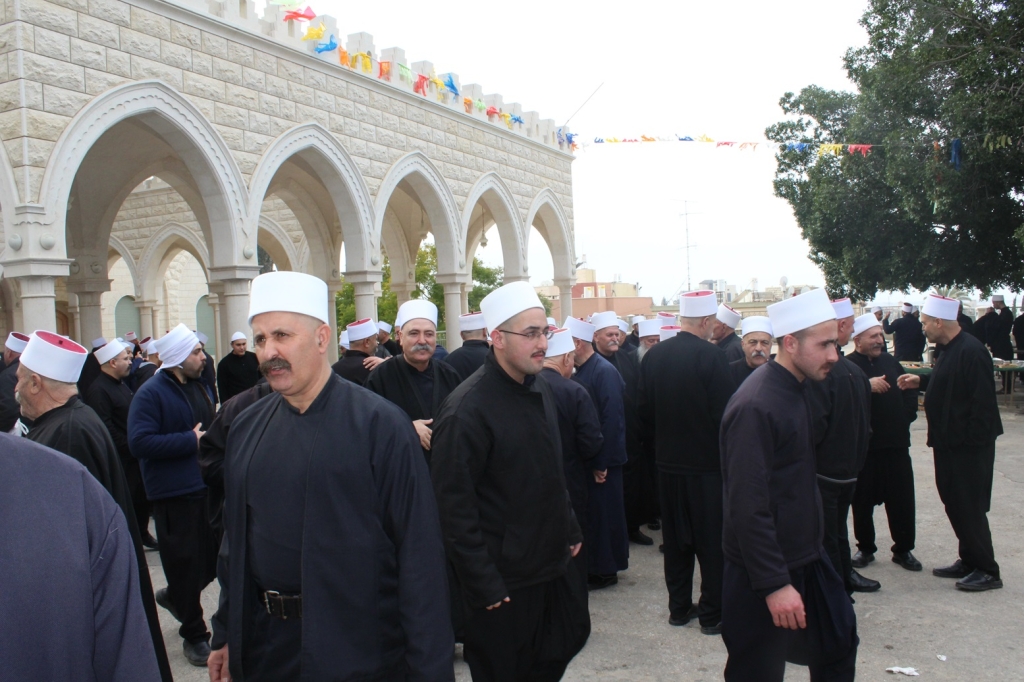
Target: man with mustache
(724,336)
(360,356)
(650,335)
(756,335)
(888,475)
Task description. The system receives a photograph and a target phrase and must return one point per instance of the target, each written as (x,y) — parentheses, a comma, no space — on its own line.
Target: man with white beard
(650,336)
(756,345)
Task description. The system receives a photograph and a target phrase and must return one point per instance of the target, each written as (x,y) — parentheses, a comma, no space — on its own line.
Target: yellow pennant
(315,33)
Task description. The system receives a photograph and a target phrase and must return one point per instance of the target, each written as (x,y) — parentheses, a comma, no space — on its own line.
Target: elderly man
(650,336)
(907,336)
(963,424)
(877,312)
(684,387)
(167,418)
(470,357)
(49,399)
(237,371)
(360,354)
(9,409)
(633,336)
(776,567)
(385,343)
(332,565)
(757,348)
(91,368)
(724,335)
(999,329)
(146,369)
(888,475)
(414,380)
(508,524)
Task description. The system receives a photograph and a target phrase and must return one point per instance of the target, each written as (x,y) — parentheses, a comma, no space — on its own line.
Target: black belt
(282,606)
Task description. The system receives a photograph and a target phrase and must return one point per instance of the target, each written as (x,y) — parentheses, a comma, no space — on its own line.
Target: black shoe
(711,629)
(639,538)
(957,570)
(859,583)
(197,653)
(164,601)
(690,615)
(862,559)
(661,548)
(907,561)
(150,543)
(599,582)
(654,525)
(979,581)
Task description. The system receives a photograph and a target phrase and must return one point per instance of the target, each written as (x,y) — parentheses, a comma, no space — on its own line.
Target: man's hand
(217,664)
(423,432)
(908,382)
(494,606)
(371,362)
(575,549)
(879,385)
(600,476)
(787,608)
(886,316)
(199,431)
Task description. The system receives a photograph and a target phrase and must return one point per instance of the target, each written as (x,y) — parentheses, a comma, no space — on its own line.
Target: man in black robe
(507,519)
(967,324)
(60,420)
(332,565)
(144,366)
(360,356)
(384,339)
(756,343)
(632,339)
(91,368)
(70,607)
(999,330)
(9,408)
(888,475)
(725,336)
(963,424)
(685,384)
(1018,335)
(237,371)
(781,600)
(470,356)
(877,312)
(414,380)
(907,337)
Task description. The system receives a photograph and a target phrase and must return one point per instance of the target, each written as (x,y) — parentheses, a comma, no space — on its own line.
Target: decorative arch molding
(8,193)
(126,255)
(321,259)
(400,258)
(437,201)
(281,240)
(549,209)
(170,236)
(498,198)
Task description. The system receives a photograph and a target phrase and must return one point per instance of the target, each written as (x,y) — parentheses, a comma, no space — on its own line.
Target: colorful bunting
(343,58)
(862,149)
(467,103)
(449,82)
(421,84)
(315,33)
(364,60)
(305,15)
(404,73)
(955,152)
(517,119)
(384,71)
(834,149)
(492,111)
(507,118)
(479,104)
(330,46)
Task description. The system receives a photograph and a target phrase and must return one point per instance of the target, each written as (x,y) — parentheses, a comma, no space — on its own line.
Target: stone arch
(171,236)
(497,200)
(118,246)
(8,197)
(279,245)
(547,215)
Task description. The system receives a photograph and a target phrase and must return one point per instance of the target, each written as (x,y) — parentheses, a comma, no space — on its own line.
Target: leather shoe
(163,600)
(661,548)
(599,582)
(907,561)
(956,570)
(639,538)
(979,581)
(197,653)
(690,615)
(859,583)
(711,629)
(654,525)
(862,559)
(150,543)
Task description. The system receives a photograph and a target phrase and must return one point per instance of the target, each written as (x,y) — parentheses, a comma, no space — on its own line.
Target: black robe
(893,411)
(141,375)
(732,346)
(209,377)
(75,430)
(351,368)
(632,341)
(374,589)
(841,408)
(998,338)
(10,410)
(740,370)
(469,358)
(237,373)
(392,347)
(1018,335)
(907,336)
(90,370)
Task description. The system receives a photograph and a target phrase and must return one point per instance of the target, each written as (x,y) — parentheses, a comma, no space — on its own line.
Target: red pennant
(305,15)
(421,84)
(492,111)
(862,149)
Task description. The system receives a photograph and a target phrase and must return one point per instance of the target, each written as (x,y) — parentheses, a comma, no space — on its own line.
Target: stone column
(366,300)
(564,298)
(235,304)
(465,299)
(91,315)
(333,288)
(159,328)
(38,303)
(452,310)
(145,309)
(218,329)
(74,321)
(403,292)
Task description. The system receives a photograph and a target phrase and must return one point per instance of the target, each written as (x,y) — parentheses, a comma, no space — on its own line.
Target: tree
(906,215)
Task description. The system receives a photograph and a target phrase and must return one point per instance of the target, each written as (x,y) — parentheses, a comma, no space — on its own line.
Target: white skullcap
(203,338)
(757,323)
(552,322)
(238,336)
(876,309)
(864,323)
(507,301)
(289,292)
(649,327)
(637,319)
(915,309)
(109,352)
(343,341)
(96,343)
(907,308)
(472,322)
(361,329)
(728,316)
(149,345)
(800,312)
(604,319)
(843,308)
(667,316)
(941,307)
(998,298)
(384,326)
(176,345)
(416,309)
(623,327)
(54,356)
(666,333)
(560,344)
(130,336)
(584,331)
(16,342)
(698,304)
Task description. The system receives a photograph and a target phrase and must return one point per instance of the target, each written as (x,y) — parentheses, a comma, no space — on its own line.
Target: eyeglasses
(533,334)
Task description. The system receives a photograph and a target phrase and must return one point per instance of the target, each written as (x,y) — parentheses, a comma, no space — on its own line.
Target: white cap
(668,332)
(552,322)
(343,340)
(472,322)
(238,336)
(649,327)
(560,344)
(907,308)
(16,342)
(203,338)
(584,331)
(109,351)
(149,346)
(416,309)
(96,343)
(698,304)
(289,292)
(757,323)
(384,326)
(130,336)
(997,298)
(176,345)
(637,319)
(54,356)
(843,308)
(876,309)
(666,316)
(623,327)
(728,316)
(507,301)
(942,307)
(361,329)
(864,323)
(800,312)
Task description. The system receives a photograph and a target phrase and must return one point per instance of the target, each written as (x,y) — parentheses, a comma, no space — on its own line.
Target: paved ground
(912,620)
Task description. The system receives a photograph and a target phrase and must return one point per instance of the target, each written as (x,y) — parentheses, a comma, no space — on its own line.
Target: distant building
(590,296)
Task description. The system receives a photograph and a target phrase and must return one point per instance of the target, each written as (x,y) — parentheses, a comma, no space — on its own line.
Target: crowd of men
(362,518)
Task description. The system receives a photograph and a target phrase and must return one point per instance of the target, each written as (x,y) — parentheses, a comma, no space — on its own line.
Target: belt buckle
(266,600)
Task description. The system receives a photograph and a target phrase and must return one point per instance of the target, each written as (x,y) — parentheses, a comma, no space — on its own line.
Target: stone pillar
(403,292)
(465,299)
(145,309)
(38,303)
(452,310)
(333,288)
(366,300)
(74,321)
(91,315)
(564,298)
(235,304)
(218,329)
(159,328)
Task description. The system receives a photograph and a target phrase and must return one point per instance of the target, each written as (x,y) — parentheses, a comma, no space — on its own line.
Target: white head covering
(54,356)
(636,319)
(343,341)
(508,301)
(843,308)
(907,308)
(416,309)
(800,312)
(604,319)
(552,322)
(203,338)
(238,336)
(361,329)
(96,343)
(109,351)
(728,316)
(698,304)
(997,298)
(650,327)
(384,326)
(288,292)
(623,327)
(472,322)
(757,323)
(668,332)
(16,342)
(176,345)
(584,331)
(130,336)
(666,316)
(876,309)
(864,323)
(560,344)
(149,345)
(941,307)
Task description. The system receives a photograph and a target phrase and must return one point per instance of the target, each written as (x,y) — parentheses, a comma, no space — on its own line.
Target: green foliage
(904,216)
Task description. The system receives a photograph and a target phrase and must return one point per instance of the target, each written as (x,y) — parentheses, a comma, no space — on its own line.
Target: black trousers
(142,506)
(189,557)
(887,478)
(640,489)
(273,647)
(691,522)
(964,481)
(836,499)
(502,645)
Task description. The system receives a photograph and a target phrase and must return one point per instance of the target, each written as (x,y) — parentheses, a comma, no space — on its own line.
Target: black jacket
(236,373)
(740,370)
(469,358)
(110,399)
(841,406)
(10,410)
(907,336)
(998,334)
(893,411)
(351,367)
(732,346)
